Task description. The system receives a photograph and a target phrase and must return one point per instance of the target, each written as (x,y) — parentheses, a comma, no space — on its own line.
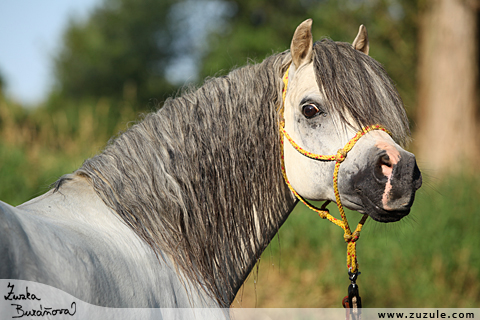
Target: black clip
(354,299)
(353,302)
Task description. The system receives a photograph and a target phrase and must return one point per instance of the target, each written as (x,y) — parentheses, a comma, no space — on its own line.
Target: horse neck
(208,167)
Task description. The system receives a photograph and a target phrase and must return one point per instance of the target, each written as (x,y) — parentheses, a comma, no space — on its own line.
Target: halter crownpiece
(350,238)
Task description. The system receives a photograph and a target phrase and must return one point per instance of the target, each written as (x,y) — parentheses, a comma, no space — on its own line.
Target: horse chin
(380,214)
(388,216)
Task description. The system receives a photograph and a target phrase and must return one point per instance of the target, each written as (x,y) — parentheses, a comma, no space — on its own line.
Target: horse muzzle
(386,188)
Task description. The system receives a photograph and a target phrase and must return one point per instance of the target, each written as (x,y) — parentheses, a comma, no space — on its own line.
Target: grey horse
(176,211)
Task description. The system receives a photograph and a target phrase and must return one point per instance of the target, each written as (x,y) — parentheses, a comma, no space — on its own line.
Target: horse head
(334,89)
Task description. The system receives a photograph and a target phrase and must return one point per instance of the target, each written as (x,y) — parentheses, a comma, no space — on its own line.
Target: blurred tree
(119,53)
(258,28)
(448,125)
(131,54)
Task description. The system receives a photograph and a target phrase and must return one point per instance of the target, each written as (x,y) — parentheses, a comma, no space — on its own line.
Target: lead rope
(353,300)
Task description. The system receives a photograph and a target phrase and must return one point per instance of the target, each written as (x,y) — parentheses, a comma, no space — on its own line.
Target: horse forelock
(200,179)
(355,84)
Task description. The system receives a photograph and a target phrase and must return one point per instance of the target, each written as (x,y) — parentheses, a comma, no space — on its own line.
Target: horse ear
(361,41)
(302,44)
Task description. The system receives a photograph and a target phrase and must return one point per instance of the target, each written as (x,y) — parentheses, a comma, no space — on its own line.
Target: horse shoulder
(71,240)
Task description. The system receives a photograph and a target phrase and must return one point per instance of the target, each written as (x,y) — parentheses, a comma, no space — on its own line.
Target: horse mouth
(380,214)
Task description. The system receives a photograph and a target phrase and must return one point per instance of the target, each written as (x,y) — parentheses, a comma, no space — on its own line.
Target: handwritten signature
(12,296)
(41,312)
(36,312)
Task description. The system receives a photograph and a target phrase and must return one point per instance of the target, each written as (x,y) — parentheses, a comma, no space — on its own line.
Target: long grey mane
(200,179)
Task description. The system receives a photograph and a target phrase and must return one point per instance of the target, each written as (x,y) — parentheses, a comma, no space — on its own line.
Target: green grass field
(431,258)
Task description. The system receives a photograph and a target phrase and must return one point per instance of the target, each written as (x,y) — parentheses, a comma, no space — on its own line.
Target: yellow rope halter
(350,238)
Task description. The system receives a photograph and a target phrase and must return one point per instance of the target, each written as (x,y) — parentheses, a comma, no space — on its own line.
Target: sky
(30,34)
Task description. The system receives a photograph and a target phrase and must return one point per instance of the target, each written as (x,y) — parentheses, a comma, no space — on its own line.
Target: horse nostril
(385,161)
(385,165)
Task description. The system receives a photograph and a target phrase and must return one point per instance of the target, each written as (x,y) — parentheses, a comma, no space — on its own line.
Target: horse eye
(310,110)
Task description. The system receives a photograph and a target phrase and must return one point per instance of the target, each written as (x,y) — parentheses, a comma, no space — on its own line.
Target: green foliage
(26,174)
(38,146)
(119,53)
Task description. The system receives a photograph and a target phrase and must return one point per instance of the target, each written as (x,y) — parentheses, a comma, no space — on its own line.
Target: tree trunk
(447,132)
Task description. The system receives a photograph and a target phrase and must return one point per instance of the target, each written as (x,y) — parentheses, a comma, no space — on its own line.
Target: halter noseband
(350,238)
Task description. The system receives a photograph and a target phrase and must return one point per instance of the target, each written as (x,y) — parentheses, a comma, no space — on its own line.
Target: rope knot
(351,237)
(341,155)
(323,213)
